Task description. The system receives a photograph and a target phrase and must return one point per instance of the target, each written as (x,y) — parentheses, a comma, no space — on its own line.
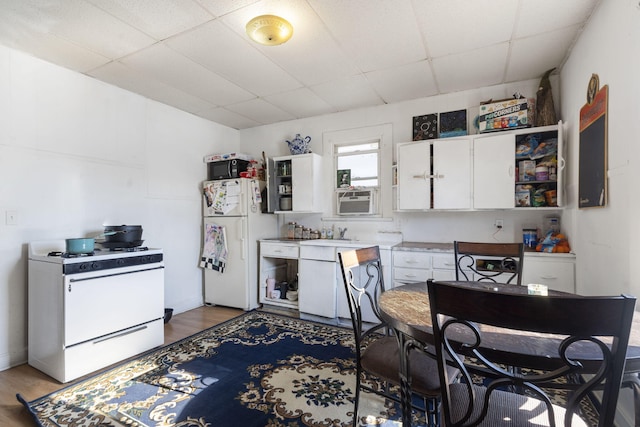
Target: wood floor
(31,383)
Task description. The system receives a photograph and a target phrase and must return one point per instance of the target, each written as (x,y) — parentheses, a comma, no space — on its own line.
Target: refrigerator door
(230,288)
(230,197)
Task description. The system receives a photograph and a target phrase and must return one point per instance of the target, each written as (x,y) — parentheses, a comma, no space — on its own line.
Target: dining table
(406,309)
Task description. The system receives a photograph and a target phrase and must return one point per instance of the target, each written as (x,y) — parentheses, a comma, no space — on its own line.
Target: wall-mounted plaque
(593,147)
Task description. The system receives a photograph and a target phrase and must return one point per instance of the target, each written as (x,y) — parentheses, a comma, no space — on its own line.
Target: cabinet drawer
(278,250)
(320,253)
(411,275)
(412,259)
(557,275)
(444,262)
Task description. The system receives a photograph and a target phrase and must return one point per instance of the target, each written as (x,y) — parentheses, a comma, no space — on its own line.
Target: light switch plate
(11,218)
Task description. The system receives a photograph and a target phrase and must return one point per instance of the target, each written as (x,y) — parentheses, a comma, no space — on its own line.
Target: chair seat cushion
(506,408)
(381,358)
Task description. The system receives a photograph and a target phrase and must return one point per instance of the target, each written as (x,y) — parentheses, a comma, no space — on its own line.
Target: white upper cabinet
(434,174)
(493,172)
(297,182)
(414,184)
(519,169)
(452,174)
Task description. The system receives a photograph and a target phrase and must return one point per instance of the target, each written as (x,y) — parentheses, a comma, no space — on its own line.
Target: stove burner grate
(69,255)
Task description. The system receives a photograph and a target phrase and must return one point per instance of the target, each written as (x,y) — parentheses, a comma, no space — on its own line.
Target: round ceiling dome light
(269,30)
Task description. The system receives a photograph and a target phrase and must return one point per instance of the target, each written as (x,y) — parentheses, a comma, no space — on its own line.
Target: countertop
(399,246)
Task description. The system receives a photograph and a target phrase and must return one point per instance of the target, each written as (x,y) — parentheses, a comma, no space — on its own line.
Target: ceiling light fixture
(269,30)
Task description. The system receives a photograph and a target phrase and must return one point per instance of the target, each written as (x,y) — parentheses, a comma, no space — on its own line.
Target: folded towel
(214,252)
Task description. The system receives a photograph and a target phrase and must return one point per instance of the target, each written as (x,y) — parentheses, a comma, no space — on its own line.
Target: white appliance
(357,202)
(89,311)
(234,205)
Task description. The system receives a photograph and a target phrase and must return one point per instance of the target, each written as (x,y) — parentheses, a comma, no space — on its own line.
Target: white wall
(429,226)
(77,154)
(606,239)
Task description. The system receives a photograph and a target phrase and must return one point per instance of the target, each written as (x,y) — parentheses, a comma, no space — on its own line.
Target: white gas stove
(89,311)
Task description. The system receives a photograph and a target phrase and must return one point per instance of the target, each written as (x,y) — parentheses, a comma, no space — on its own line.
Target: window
(361,159)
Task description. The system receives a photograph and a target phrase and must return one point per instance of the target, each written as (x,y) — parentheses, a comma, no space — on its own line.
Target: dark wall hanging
(425,127)
(593,146)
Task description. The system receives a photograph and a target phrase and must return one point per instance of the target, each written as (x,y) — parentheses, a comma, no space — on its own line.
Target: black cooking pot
(122,233)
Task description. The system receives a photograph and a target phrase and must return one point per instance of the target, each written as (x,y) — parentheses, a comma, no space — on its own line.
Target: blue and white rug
(259,369)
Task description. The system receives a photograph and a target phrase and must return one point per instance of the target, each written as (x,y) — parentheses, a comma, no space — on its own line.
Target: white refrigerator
(233,224)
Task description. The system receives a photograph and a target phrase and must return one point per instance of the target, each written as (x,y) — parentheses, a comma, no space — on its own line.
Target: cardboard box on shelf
(505,114)
(527,170)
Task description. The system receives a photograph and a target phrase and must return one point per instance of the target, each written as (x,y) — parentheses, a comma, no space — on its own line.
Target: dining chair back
(376,347)
(495,386)
(489,262)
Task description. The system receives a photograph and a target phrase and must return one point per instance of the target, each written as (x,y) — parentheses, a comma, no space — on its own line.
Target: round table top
(406,309)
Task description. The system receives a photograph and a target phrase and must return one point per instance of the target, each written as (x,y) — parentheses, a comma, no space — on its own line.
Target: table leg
(405,346)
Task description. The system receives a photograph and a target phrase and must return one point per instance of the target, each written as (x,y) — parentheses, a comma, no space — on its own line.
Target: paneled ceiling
(344,54)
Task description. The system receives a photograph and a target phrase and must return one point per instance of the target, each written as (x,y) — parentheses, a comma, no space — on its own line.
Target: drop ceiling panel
(300,103)
(456,26)
(541,16)
(221,50)
(86,25)
(158,18)
(56,50)
(222,7)
(127,78)
(409,81)
(260,111)
(347,94)
(538,54)
(170,67)
(478,68)
(228,118)
(364,28)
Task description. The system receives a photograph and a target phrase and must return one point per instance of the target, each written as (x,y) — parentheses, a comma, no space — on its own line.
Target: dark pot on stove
(123,233)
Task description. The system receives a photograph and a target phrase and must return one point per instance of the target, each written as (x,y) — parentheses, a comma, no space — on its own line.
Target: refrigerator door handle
(243,243)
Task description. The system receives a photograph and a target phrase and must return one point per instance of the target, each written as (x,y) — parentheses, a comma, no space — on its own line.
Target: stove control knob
(119,262)
(95,265)
(82,266)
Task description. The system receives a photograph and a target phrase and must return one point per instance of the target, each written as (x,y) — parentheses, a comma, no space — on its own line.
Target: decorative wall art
(344,178)
(425,127)
(593,147)
(453,123)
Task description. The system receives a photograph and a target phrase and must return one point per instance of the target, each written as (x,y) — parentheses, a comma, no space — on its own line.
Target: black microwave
(227,169)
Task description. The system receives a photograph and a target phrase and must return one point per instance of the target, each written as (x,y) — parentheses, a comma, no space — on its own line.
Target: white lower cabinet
(317,280)
(557,271)
(420,266)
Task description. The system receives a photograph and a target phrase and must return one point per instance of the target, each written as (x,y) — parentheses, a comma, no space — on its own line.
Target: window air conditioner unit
(357,202)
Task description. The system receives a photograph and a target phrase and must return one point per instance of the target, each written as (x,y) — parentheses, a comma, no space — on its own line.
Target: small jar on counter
(306,233)
(291,230)
(298,232)
(314,234)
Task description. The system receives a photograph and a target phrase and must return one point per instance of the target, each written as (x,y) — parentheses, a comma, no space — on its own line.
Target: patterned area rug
(259,369)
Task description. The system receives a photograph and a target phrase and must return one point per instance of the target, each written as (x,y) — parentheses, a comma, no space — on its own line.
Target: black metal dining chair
(376,348)
(490,392)
(490,262)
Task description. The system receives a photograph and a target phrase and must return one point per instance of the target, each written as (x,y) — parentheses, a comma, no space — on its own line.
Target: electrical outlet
(498,223)
(11,218)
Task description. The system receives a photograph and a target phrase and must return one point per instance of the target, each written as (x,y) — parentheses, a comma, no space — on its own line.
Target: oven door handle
(71,280)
